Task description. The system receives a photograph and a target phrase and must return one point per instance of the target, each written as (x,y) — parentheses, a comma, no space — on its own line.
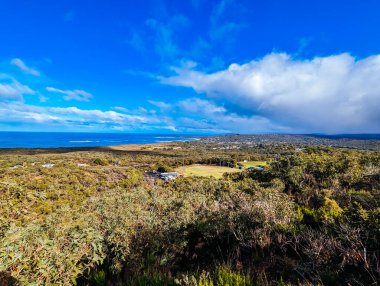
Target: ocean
(65,139)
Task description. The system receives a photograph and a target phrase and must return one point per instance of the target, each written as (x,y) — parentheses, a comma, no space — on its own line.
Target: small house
(258,168)
(168,176)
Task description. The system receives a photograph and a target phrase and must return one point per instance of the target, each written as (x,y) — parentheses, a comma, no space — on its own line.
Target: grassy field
(205,170)
(253,163)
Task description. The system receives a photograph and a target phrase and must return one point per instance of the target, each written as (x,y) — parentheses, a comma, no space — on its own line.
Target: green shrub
(97,278)
(133,178)
(164,168)
(153,280)
(222,276)
(99,161)
(328,211)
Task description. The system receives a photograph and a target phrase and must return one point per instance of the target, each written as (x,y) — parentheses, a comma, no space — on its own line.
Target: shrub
(222,276)
(164,169)
(99,161)
(55,252)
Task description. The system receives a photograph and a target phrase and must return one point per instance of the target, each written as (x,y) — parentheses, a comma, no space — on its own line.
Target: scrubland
(311,217)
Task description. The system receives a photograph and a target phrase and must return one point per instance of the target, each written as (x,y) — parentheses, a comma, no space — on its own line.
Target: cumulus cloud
(19,112)
(74,118)
(97,115)
(200,107)
(22,66)
(189,115)
(14,90)
(326,94)
(77,94)
(140,110)
(70,116)
(206,116)
(200,115)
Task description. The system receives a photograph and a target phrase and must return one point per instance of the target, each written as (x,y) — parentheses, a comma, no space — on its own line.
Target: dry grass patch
(253,163)
(205,171)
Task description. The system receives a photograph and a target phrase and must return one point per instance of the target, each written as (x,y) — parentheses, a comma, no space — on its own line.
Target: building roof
(169,174)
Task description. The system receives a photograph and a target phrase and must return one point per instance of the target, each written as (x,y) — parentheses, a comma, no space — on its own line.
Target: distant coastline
(45,140)
(127,141)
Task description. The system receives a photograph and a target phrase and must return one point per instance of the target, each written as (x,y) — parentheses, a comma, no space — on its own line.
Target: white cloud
(77,94)
(189,115)
(97,115)
(326,94)
(200,107)
(160,104)
(200,115)
(206,116)
(22,66)
(19,112)
(165,32)
(139,110)
(42,98)
(122,109)
(73,118)
(14,90)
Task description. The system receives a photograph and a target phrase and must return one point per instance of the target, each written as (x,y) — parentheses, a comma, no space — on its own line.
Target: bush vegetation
(311,217)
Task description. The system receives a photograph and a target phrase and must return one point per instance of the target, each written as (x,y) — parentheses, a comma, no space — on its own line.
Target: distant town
(349,141)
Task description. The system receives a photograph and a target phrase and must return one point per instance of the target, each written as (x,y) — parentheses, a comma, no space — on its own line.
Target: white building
(168,176)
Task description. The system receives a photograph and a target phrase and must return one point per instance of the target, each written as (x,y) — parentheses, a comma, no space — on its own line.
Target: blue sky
(190,66)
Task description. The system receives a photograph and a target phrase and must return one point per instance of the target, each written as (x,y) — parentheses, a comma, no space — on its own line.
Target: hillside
(90,217)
